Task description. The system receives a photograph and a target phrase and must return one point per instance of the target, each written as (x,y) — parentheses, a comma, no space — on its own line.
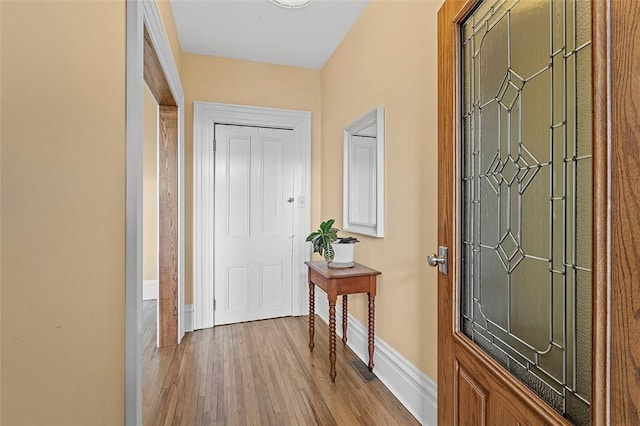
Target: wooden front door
(538,189)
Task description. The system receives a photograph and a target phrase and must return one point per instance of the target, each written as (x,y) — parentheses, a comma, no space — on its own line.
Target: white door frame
(205,115)
(142,14)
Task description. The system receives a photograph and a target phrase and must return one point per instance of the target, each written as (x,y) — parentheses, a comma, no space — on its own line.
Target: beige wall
(149,186)
(62,172)
(63,212)
(389,58)
(0,210)
(207,78)
(170,30)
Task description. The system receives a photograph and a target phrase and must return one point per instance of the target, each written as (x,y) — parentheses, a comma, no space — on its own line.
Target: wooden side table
(336,282)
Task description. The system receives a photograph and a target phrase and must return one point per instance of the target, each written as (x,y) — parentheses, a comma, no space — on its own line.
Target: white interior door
(253,223)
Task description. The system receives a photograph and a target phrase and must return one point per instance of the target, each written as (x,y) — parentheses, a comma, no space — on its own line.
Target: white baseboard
(149,289)
(188,318)
(416,391)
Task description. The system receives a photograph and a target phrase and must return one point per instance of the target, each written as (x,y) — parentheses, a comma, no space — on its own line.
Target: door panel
(471,399)
(505,418)
(613,64)
(516,211)
(236,288)
(254,223)
(270,285)
(272,162)
(238,191)
(526,213)
(506,397)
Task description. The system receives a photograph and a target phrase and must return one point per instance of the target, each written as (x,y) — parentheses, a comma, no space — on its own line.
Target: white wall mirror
(363,174)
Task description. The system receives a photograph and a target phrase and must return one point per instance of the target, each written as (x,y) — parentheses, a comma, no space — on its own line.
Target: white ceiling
(258,30)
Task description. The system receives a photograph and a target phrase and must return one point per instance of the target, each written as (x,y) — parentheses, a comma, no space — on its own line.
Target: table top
(357,271)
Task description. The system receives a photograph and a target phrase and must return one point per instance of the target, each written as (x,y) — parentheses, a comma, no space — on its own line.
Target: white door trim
(142,14)
(205,114)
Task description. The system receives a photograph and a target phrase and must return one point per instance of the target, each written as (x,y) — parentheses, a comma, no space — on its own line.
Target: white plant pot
(343,256)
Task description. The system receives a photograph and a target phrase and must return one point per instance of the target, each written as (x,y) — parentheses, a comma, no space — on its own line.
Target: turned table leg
(371,329)
(344,319)
(312,314)
(332,338)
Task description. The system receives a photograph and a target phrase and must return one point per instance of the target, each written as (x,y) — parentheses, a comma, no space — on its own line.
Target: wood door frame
(169,297)
(205,114)
(619,103)
(168,302)
(615,394)
(141,15)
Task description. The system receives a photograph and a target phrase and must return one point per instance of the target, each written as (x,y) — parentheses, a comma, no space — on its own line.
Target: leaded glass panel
(526,193)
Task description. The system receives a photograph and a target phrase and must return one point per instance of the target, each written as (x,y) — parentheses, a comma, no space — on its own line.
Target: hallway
(258,373)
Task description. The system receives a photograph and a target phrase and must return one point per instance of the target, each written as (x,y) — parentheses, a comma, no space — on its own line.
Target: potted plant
(337,251)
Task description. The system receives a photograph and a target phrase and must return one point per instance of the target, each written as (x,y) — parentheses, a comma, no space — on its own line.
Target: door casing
(206,114)
(141,15)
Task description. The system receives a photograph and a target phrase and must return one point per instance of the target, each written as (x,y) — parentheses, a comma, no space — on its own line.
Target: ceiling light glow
(291,4)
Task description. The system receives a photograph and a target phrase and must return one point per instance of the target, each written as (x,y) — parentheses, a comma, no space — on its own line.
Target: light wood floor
(259,373)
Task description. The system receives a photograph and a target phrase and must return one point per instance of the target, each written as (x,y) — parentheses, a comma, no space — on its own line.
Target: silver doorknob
(439,260)
(290,200)
(434,260)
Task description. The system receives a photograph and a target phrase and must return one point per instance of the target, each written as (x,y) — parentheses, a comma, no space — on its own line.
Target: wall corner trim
(139,14)
(414,389)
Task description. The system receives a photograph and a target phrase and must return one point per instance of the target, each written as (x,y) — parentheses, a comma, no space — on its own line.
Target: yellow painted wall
(63,212)
(389,59)
(62,221)
(0,209)
(166,15)
(212,79)
(149,187)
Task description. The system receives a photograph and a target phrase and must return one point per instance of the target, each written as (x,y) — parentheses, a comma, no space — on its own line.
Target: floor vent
(363,371)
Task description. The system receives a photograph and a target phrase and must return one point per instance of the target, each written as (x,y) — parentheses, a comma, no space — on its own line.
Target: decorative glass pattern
(526,193)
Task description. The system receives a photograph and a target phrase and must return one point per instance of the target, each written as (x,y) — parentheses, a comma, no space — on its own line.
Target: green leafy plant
(322,239)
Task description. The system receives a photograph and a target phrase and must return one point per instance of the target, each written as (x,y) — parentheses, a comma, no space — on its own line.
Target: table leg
(312,314)
(332,338)
(344,319)
(371,329)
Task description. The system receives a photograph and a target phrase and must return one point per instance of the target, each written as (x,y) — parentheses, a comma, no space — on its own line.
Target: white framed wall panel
(206,114)
(363,175)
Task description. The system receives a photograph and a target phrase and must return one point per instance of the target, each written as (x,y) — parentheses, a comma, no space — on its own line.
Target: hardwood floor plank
(258,373)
